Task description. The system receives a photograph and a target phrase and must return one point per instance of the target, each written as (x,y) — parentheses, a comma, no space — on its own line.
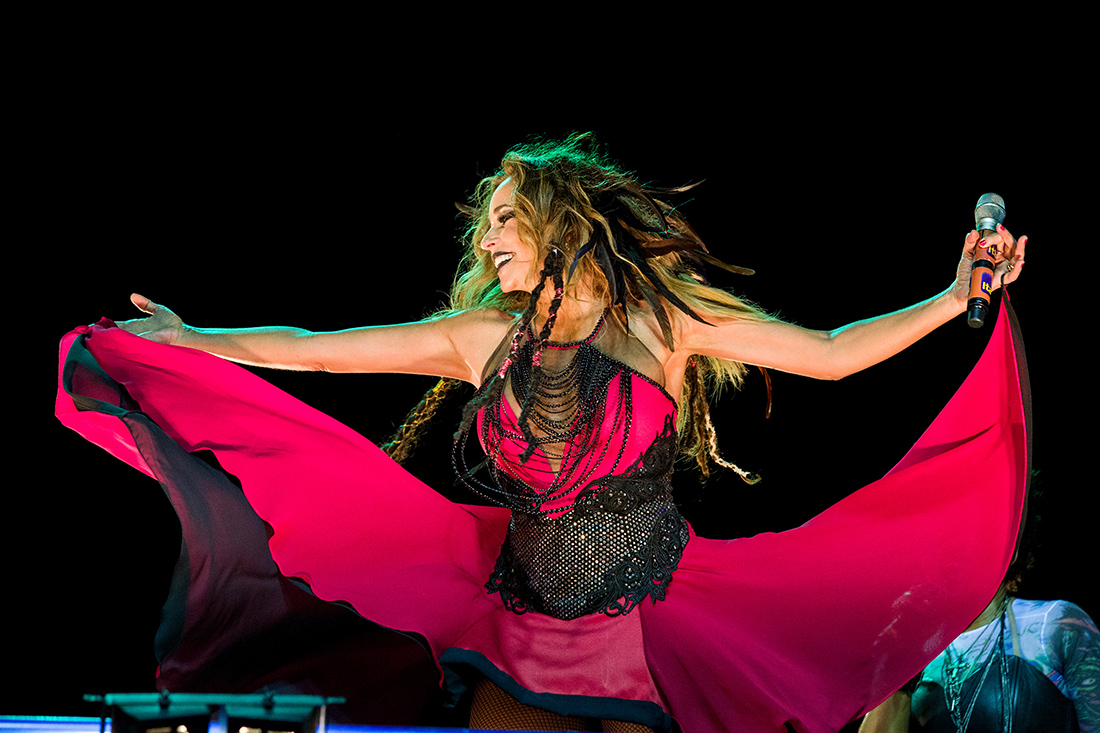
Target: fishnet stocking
(493,708)
(619,726)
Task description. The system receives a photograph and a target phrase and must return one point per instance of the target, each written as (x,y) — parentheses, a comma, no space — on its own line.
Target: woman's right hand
(162,325)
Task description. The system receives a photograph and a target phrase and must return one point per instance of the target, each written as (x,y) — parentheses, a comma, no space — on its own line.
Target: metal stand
(164,712)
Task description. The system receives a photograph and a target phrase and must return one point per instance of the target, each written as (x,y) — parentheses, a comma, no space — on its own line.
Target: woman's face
(513,258)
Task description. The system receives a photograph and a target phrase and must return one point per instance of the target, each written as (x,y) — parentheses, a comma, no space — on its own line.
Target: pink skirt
(812,627)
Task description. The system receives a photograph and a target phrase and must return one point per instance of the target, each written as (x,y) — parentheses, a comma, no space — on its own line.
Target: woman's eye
(503,218)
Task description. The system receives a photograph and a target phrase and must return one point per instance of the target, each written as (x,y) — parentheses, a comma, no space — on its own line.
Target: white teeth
(501,259)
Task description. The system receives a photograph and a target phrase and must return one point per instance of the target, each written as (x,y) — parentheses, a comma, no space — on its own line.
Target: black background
(316,190)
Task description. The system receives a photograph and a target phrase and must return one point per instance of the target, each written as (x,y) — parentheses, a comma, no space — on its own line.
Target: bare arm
(892,716)
(456,346)
(843,351)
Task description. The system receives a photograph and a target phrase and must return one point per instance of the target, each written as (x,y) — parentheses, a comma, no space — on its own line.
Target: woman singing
(581,597)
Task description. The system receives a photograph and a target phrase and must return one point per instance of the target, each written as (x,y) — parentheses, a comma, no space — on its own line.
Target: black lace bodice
(593,528)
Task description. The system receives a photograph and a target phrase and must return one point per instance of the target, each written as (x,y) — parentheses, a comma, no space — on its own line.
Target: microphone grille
(989,212)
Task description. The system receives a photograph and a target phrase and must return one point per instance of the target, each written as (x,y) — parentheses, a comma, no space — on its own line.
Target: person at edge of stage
(1049,652)
(563,244)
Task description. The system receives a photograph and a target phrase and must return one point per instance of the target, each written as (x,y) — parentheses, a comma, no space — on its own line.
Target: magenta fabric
(812,626)
(621,445)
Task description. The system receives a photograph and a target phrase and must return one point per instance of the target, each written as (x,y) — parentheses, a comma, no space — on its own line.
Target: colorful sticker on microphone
(987,283)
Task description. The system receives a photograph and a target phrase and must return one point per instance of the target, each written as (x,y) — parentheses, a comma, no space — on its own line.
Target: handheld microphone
(989,212)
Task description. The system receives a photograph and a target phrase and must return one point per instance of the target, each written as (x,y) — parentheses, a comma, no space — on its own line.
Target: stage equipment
(60,724)
(164,712)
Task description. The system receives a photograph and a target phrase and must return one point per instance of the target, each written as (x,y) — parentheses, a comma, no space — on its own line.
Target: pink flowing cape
(810,627)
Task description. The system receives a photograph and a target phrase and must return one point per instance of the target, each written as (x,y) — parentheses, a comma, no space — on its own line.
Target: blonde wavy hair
(569,196)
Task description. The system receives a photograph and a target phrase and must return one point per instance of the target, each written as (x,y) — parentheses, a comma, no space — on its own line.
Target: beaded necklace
(955,674)
(571,407)
(557,397)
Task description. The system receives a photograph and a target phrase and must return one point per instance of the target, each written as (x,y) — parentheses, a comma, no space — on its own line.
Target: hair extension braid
(552,268)
(702,441)
(401,445)
(491,391)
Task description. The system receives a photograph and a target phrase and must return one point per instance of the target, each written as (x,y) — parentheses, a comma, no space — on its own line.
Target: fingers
(1020,246)
(143,303)
(1006,236)
(1014,261)
(1006,244)
(999,245)
(970,242)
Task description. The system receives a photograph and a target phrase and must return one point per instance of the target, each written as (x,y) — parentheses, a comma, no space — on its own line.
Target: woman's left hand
(1009,260)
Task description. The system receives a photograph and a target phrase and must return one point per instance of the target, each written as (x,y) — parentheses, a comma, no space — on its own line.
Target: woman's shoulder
(479,328)
(643,324)
(1050,608)
(685,329)
(475,318)
(473,335)
(1056,613)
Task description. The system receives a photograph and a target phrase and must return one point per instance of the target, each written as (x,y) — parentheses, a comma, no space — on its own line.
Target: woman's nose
(490,238)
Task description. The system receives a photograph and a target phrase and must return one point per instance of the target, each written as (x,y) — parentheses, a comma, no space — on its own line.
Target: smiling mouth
(500,259)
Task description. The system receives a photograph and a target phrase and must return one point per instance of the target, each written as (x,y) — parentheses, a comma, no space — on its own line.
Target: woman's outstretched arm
(846,350)
(456,346)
